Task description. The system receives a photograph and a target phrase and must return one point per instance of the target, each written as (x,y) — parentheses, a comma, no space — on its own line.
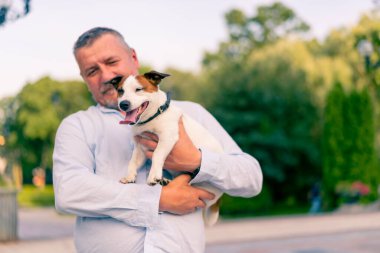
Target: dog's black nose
(124,105)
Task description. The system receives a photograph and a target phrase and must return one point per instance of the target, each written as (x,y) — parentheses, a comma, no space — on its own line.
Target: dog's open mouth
(133,116)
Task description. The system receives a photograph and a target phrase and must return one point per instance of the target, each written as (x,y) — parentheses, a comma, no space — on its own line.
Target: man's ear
(155,77)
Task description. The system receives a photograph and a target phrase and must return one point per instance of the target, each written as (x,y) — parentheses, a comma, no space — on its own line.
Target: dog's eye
(120,92)
(139,89)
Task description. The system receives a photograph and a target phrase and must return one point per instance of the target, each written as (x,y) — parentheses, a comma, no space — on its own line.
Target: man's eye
(112,62)
(91,72)
(139,89)
(120,92)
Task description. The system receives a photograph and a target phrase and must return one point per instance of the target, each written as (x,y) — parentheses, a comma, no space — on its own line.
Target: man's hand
(179,197)
(184,155)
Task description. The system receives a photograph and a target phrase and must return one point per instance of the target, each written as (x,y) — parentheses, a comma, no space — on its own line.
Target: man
(92,151)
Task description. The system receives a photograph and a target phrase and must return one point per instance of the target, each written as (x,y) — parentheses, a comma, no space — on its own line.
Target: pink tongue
(130,117)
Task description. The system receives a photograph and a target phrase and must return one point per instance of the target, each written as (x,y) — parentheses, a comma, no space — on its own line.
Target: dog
(147,108)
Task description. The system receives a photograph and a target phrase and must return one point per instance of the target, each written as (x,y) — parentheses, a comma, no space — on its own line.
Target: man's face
(106,58)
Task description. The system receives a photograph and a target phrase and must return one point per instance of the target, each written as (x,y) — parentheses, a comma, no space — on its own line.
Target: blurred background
(295,83)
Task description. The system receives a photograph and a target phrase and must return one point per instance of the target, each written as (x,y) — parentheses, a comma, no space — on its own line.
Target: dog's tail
(211,214)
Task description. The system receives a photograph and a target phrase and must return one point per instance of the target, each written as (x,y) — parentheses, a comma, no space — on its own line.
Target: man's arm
(179,197)
(234,172)
(79,191)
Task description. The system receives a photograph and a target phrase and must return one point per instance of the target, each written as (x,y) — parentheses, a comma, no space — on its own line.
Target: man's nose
(107,76)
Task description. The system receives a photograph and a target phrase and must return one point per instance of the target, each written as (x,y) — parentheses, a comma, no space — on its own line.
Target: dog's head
(137,93)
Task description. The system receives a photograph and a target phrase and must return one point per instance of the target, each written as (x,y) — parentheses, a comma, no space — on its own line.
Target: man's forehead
(106,42)
(88,58)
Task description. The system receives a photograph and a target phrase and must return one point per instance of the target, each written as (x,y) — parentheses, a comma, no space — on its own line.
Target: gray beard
(110,104)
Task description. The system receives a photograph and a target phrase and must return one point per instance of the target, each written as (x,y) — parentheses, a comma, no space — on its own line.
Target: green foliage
(31,196)
(277,21)
(32,119)
(368,29)
(268,108)
(269,92)
(349,142)
(333,141)
(246,33)
(237,207)
(184,85)
(270,23)
(261,205)
(360,144)
(271,99)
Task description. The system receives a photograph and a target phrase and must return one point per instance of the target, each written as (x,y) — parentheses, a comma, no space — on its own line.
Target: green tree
(333,142)
(33,118)
(368,71)
(368,29)
(348,142)
(359,131)
(268,89)
(268,108)
(270,24)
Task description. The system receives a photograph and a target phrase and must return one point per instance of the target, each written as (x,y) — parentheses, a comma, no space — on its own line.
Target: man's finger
(205,195)
(183,179)
(149,135)
(201,204)
(150,144)
(181,127)
(148,154)
(180,122)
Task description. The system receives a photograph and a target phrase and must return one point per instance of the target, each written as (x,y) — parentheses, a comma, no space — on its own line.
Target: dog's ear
(115,81)
(155,77)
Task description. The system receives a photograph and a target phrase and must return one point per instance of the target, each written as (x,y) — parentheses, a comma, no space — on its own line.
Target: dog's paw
(153,181)
(164,181)
(125,180)
(161,181)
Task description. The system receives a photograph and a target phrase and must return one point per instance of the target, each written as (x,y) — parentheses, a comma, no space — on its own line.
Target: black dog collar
(160,110)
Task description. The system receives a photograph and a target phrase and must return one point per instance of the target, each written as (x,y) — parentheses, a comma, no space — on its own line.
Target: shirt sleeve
(234,172)
(79,191)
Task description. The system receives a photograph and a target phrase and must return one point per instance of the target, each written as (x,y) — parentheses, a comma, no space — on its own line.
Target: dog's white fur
(165,126)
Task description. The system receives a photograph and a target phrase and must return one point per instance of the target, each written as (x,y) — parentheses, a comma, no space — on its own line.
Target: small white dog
(148,109)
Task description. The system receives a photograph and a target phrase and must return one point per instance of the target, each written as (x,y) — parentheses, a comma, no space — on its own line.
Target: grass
(31,196)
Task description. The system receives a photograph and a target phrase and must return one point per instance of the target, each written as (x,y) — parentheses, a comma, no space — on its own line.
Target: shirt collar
(108,110)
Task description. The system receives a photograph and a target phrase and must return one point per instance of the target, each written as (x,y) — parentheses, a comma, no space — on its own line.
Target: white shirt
(91,155)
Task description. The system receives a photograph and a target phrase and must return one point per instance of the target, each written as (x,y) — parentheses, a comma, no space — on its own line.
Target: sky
(164,33)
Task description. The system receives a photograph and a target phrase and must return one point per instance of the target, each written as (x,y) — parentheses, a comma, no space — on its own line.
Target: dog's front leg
(137,160)
(165,145)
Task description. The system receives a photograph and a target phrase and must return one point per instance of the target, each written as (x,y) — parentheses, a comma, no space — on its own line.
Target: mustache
(106,89)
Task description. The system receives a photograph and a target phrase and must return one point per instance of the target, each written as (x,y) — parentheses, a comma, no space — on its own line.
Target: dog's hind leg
(137,160)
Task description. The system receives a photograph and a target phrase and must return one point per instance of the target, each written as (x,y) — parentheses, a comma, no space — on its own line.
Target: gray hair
(88,37)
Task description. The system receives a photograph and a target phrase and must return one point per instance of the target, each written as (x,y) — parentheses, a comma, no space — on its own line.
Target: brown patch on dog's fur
(148,86)
(215,207)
